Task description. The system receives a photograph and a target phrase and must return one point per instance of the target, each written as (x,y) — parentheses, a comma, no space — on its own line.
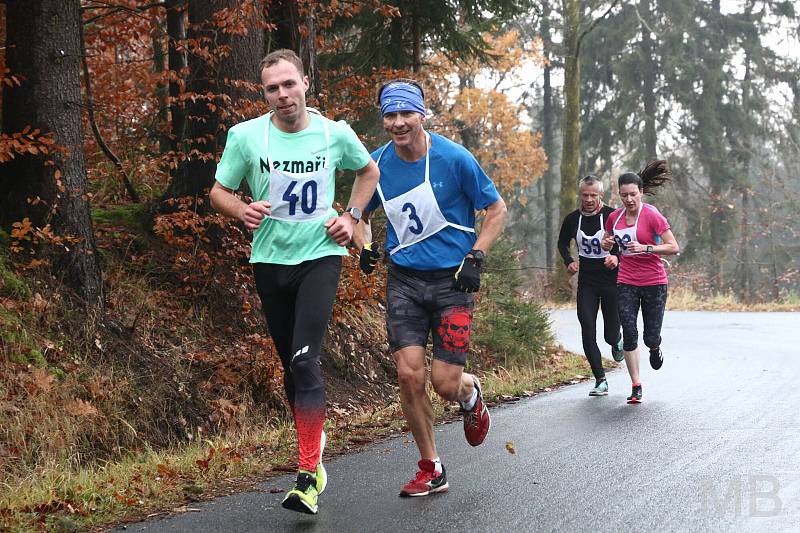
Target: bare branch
(96,130)
(594,23)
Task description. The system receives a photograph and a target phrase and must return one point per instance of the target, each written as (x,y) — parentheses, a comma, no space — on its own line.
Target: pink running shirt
(641,269)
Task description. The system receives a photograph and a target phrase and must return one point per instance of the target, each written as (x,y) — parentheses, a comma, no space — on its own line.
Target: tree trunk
(396,35)
(572,105)
(176,31)
(745,273)
(209,82)
(571,127)
(416,53)
(50,100)
(648,84)
(711,143)
(548,143)
(286,17)
(162,90)
(308,53)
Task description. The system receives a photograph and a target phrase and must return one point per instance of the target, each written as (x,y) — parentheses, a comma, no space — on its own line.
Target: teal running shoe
(600,388)
(617,352)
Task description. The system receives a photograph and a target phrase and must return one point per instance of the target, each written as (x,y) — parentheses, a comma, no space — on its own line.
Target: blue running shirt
(461,187)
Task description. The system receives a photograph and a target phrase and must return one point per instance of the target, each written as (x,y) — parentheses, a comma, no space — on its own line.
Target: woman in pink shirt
(643,235)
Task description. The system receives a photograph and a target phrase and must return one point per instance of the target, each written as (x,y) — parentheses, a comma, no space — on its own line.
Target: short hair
(415,83)
(591,179)
(282,54)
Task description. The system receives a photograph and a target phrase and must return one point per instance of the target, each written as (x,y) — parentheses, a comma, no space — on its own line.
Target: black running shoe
(656,358)
(636,394)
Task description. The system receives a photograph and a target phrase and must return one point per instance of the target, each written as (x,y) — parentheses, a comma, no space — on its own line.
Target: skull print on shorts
(455,328)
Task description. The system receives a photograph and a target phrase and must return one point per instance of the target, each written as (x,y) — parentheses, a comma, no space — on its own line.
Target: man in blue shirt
(430,188)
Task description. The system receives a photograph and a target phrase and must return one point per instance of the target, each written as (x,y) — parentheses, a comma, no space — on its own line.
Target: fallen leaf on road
(185,509)
(510,448)
(275,491)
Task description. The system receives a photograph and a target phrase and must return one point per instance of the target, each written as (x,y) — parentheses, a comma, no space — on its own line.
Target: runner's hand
(636,247)
(254,213)
(468,275)
(340,229)
(611,262)
(607,243)
(369,258)
(572,268)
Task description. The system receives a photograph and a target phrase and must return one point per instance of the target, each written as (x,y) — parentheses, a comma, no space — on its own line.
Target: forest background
(129,326)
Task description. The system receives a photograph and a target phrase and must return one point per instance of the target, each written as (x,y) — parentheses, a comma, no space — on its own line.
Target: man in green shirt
(289,158)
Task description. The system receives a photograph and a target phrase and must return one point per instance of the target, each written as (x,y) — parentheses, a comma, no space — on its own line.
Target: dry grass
(682,299)
(62,497)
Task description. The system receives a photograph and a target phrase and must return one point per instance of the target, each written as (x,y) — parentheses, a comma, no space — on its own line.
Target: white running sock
(469,404)
(437,465)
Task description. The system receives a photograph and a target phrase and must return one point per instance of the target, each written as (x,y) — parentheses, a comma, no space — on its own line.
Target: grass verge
(153,483)
(681,299)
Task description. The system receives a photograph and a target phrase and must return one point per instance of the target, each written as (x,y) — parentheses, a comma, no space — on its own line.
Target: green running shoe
(303,497)
(321,473)
(600,388)
(617,352)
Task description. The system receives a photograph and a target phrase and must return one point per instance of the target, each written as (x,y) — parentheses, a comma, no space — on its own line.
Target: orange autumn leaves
(485,119)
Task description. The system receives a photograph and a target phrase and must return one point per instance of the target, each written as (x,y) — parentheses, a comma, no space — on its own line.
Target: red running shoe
(477,420)
(636,394)
(428,480)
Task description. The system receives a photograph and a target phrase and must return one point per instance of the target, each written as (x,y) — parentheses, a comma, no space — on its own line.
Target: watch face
(354,212)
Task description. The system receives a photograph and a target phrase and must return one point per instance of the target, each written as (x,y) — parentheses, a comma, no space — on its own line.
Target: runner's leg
(407,324)
(628,301)
(277,303)
(316,290)
(654,302)
(414,399)
(610,310)
(587,305)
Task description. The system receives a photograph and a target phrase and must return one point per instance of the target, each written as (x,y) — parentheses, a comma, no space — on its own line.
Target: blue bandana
(401,96)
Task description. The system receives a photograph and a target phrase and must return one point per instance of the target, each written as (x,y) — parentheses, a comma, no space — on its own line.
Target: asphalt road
(715,446)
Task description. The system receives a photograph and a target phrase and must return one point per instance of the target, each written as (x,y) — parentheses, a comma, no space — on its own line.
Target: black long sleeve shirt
(590,268)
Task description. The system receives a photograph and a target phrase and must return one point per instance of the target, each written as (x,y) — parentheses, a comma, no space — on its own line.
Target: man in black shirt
(597,276)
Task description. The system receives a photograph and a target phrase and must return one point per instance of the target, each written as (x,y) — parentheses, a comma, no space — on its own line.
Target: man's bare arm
(224,201)
(492,226)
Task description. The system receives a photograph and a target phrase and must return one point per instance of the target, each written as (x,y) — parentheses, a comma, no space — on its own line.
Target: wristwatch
(649,248)
(477,254)
(354,212)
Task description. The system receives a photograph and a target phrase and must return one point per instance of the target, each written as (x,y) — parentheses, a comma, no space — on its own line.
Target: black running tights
(297,302)
(590,298)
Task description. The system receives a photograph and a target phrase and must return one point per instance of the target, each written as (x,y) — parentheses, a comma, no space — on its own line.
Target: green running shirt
(278,241)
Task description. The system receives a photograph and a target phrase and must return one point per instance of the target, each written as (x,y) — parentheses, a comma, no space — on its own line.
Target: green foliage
(11,285)
(15,342)
(397,37)
(506,325)
(131,216)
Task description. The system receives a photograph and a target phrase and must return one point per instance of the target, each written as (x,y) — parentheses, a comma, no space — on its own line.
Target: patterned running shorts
(424,302)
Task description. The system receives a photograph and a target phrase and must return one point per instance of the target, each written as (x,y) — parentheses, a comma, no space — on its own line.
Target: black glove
(369,258)
(468,275)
